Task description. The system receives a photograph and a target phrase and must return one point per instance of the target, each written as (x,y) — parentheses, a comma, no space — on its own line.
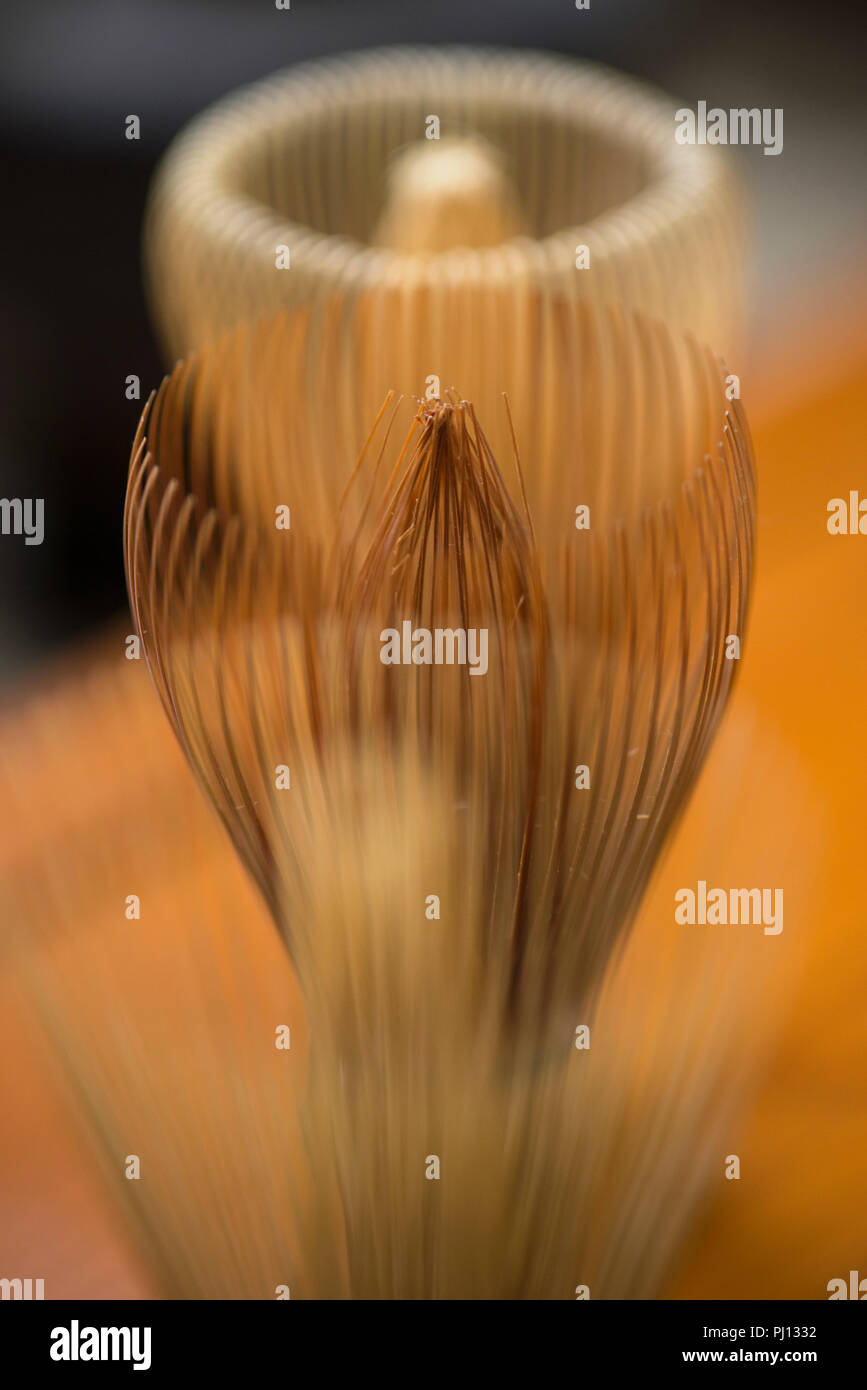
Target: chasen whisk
(530,490)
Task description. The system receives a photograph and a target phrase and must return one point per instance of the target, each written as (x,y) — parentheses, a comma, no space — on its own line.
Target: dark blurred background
(74,320)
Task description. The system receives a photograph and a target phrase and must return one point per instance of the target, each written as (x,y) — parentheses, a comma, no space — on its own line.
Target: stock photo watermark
(720,907)
(23,516)
(442,646)
(740,125)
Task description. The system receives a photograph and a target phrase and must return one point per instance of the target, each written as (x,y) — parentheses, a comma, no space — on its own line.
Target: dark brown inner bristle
(448,542)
